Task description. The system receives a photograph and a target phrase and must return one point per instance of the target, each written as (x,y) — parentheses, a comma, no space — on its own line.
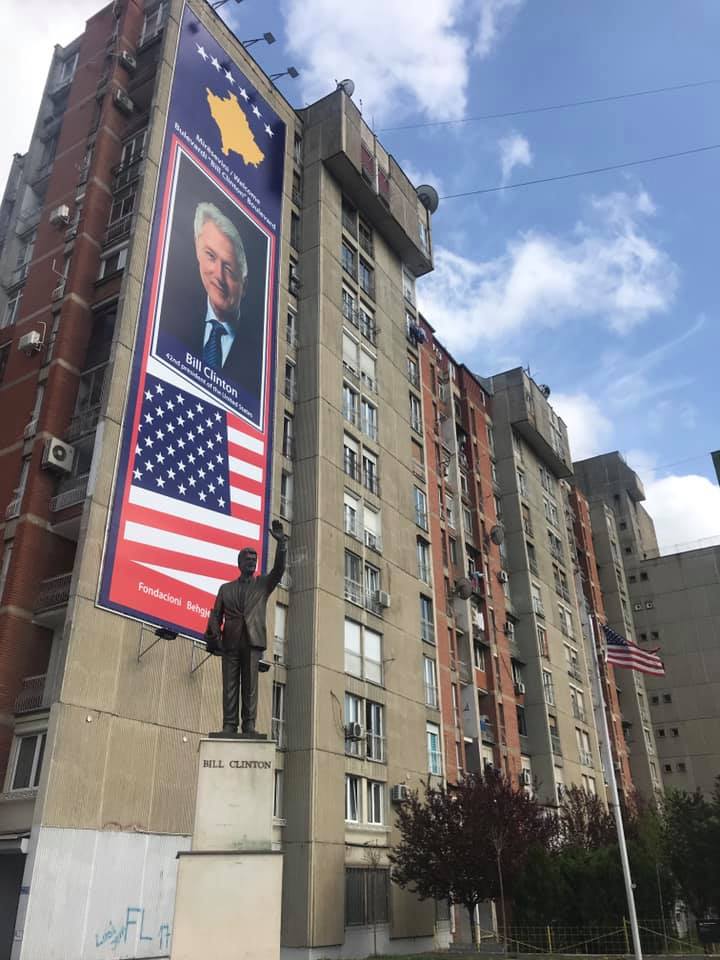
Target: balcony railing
(125,173)
(118,229)
(53,592)
(31,694)
(372,603)
(71,497)
(586,758)
(354,591)
(487,731)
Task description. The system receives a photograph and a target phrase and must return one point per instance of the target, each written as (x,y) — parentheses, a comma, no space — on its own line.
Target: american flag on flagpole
(622,652)
(197,489)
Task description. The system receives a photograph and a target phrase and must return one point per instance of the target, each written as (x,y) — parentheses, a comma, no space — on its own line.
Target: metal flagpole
(601,721)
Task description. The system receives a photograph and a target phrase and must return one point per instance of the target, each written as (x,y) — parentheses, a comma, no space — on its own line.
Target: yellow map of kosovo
(235,132)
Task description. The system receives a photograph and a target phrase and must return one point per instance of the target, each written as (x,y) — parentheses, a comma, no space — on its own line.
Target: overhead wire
(555,106)
(582,173)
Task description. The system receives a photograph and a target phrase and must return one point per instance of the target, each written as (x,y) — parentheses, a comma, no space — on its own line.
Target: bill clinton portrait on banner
(211,320)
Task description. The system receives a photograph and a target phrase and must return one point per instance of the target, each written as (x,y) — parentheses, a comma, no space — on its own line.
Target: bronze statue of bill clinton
(236,632)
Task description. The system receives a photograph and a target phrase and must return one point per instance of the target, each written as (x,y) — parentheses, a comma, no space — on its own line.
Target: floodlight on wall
(267,37)
(290,72)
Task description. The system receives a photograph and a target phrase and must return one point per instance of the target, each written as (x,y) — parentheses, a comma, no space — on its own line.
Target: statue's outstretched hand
(278,533)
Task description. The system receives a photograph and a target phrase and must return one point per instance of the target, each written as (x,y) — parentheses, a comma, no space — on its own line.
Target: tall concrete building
(533,467)
(670,602)
(99,723)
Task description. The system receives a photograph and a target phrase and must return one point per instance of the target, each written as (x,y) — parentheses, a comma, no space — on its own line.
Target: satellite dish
(464,588)
(347,85)
(428,197)
(544,390)
(497,535)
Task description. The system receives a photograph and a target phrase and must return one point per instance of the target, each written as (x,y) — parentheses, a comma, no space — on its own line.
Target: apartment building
(99,717)
(592,614)
(532,470)
(480,670)
(667,602)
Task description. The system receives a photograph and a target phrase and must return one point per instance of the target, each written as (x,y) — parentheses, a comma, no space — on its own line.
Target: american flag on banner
(624,653)
(197,489)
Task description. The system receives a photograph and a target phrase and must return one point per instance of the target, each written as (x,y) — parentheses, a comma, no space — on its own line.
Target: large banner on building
(194,473)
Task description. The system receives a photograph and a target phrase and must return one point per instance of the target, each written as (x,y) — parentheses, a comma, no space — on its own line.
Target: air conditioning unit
(58,455)
(354,731)
(128,61)
(59,291)
(525,778)
(383,598)
(30,429)
(123,102)
(502,576)
(60,216)
(399,793)
(520,688)
(30,342)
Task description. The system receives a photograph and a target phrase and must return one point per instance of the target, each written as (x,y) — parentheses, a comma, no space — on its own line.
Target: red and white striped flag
(622,652)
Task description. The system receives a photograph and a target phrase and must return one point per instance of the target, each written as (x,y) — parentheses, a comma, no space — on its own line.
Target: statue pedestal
(229,886)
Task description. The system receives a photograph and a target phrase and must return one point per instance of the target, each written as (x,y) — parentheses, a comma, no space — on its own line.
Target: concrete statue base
(229,886)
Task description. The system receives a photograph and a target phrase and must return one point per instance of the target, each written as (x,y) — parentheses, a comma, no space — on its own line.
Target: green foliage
(691,836)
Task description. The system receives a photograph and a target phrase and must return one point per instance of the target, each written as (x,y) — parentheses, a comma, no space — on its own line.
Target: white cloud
(589,430)
(28,35)
(417,175)
(494,17)
(514,152)
(606,268)
(401,56)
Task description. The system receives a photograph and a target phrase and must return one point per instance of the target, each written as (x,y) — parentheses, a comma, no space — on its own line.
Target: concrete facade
(531,448)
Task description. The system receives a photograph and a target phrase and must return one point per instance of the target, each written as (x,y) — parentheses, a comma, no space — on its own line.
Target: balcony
(487,732)
(354,591)
(52,599)
(31,694)
(118,229)
(372,603)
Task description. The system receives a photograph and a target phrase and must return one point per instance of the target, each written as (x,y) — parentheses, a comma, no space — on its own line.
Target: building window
(112,263)
(352,511)
(375,802)
(12,309)
(349,306)
(363,652)
(408,282)
(349,217)
(153,23)
(4,357)
(427,624)
(372,528)
(27,762)
(352,798)
(295,231)
(278,714)
(351,462)
(370,478)
(366,896)
(479,656)
(349,260)
(548,689)
(367,278)
(521,721)
(369,419)
(279,635)
(353,578)
(423,559)
(433,749)
(367,324)
(421,514)
(522,483)
(287,435)
(286,495)
(278,794)
(415,414)
(537,600)
(431,687)
(374,725)
(467,521)
(291,328)
(366,238)
(290,388)
(667,698)
(351,404)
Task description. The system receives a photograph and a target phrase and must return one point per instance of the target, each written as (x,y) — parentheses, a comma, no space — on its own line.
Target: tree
(585,822)
(692,842)
(467,842)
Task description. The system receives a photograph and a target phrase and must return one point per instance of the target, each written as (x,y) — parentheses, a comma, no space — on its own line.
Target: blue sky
(606,286)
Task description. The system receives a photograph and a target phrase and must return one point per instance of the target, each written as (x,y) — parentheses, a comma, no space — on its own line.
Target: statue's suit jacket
(240,605)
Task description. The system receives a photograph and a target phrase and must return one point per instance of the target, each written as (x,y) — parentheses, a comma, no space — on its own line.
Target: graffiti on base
(115,934)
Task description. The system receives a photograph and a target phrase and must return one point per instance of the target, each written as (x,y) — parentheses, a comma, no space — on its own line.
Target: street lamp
(267,37)
(290,72)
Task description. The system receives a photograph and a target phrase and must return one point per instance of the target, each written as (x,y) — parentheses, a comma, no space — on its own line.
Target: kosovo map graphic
(235,132)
